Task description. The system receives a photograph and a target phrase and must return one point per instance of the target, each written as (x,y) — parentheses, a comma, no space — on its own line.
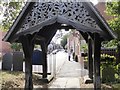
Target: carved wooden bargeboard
(72,11)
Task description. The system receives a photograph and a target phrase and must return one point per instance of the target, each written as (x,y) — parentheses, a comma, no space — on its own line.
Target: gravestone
(17,61)
(37,57)
(7,61)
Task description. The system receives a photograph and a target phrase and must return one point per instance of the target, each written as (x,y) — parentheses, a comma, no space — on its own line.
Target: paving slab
(68,76)
(73,83)
(59,83)
(66,83)
(71,69)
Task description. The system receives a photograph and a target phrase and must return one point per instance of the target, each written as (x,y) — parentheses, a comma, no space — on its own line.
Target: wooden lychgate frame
(38,22)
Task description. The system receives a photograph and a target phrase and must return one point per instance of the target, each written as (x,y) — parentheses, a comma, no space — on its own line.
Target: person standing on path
(70,54)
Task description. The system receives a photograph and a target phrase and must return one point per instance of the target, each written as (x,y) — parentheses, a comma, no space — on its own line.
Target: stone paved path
(71,69)
(69,76)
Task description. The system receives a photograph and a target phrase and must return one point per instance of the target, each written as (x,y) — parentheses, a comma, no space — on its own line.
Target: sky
(94,1)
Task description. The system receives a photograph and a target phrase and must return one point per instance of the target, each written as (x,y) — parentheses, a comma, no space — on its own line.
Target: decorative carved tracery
(74,11)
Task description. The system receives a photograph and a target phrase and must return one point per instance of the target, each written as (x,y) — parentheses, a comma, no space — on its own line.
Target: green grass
(116,86)
(13,79)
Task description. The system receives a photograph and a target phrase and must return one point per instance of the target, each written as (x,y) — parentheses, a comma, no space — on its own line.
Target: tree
(64,40)
(11,10)
(16,46)
(113,9)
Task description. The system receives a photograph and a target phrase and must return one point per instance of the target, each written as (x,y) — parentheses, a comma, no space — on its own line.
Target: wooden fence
(108,51)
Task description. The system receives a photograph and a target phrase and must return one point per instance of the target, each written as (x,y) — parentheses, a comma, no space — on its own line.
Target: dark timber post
(28,47)
(118,54)
(96,61)
(90,59)
(44,53)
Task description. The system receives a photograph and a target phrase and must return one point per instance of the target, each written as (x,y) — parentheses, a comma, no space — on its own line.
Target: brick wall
(101,7)
(4,46)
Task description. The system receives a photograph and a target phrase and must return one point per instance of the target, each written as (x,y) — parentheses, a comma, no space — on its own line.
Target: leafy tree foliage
(64,40)
(110,44)
(12,10)
(16,46)
(113,9)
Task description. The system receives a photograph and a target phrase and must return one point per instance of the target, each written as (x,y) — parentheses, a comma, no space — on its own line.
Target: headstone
(17,61)
(37,57)
(7,61)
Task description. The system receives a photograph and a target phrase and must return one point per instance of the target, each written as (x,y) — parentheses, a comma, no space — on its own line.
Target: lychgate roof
(35,16)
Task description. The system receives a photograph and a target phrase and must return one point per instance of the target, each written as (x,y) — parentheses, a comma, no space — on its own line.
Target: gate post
(90,59)
(28,47)
(44,53)
(96,61)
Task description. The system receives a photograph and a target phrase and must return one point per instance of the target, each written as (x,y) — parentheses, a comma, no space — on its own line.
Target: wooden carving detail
(74,11)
